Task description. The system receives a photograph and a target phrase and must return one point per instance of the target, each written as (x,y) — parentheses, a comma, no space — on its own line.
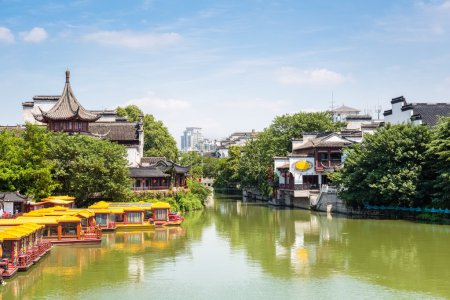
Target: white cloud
(6,36)
(134,40)
(314,77)
(152,102)
(35,35)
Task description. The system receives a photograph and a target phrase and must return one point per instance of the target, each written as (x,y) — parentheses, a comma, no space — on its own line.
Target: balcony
(327,165)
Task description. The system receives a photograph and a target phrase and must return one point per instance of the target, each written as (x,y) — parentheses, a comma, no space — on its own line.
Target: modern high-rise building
(193,140)
(191,137)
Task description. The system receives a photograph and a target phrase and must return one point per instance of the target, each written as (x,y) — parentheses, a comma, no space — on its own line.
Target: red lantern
(154,181)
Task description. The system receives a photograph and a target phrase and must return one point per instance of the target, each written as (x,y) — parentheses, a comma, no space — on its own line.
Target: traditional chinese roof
(430,113)
(115,131)
(152,160)
(328,141)
(67,108)
(13,197)
(346,109)
(147,172)
(284,166)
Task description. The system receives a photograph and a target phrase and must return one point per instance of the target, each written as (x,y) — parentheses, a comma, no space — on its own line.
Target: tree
(439,151)
(228,169)
(195,161)
(257,159)
(24,166)
(157,139)
(132,112)
(387,168)
(201,166)
(86,167)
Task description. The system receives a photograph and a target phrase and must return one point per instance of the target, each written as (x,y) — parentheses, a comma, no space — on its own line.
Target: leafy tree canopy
(24,163)
(157,139)
(439,151)
(387,168)
(86,167)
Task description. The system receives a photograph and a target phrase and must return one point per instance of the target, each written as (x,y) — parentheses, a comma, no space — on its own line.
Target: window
(160,214)
(134,217)
(69,229)
(335,156)
(52,231)
(119,217)
(323,156)
(100,219)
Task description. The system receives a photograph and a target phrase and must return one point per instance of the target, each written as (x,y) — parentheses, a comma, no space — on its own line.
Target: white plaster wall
(28,112)
(278,162)
(398,116)
(298,179)
(133,156)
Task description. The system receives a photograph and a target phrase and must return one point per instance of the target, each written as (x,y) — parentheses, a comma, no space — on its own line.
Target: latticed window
(160,214)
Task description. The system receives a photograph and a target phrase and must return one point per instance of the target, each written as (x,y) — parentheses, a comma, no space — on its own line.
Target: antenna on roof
(332,105)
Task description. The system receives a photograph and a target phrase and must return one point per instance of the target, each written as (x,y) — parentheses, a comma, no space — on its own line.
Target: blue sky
(224,66)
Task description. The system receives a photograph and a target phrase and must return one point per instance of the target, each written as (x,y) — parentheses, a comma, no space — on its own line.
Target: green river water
(248,250)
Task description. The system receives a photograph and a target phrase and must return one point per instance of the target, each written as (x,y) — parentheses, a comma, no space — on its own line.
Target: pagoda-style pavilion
(67,114)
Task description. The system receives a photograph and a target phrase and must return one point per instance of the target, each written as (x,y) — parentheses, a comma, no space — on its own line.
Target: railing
(327,164)
(10,216)
(92,233)
(34,253)
(149,188)
(299,187)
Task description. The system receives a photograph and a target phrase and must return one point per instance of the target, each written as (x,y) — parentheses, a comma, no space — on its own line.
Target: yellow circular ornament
(302,165)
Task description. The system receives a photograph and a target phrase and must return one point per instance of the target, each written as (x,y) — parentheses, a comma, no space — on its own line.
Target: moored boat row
(25,239)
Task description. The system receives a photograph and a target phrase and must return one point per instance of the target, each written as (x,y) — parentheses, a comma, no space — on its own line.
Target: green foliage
(157,139)
(227,174)
(194,160)
(199,190)
(387,168)
(24,165)
(132,112)
(86,167)
(257,158)
(439,151)
(201,166)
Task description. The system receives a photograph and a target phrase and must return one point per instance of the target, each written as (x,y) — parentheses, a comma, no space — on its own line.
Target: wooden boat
(21,247)
(162,216)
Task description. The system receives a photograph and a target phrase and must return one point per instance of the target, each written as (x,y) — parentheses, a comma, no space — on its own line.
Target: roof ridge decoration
(67,108)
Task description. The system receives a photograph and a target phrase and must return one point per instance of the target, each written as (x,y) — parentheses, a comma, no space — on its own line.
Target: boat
(162,216)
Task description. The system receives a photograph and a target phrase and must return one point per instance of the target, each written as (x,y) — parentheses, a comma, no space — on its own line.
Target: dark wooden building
(157,173)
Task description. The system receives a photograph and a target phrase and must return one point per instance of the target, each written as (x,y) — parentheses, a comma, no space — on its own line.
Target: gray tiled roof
(147,172)
(323,142)
(344,109)
(430,112)
(13,197)
(152,160)
(67,108)
(115,131)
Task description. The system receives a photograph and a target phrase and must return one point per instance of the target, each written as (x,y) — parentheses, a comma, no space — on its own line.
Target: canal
(247,250)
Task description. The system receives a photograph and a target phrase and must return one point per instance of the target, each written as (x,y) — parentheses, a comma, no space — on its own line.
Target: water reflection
(287,251)
(295,243)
